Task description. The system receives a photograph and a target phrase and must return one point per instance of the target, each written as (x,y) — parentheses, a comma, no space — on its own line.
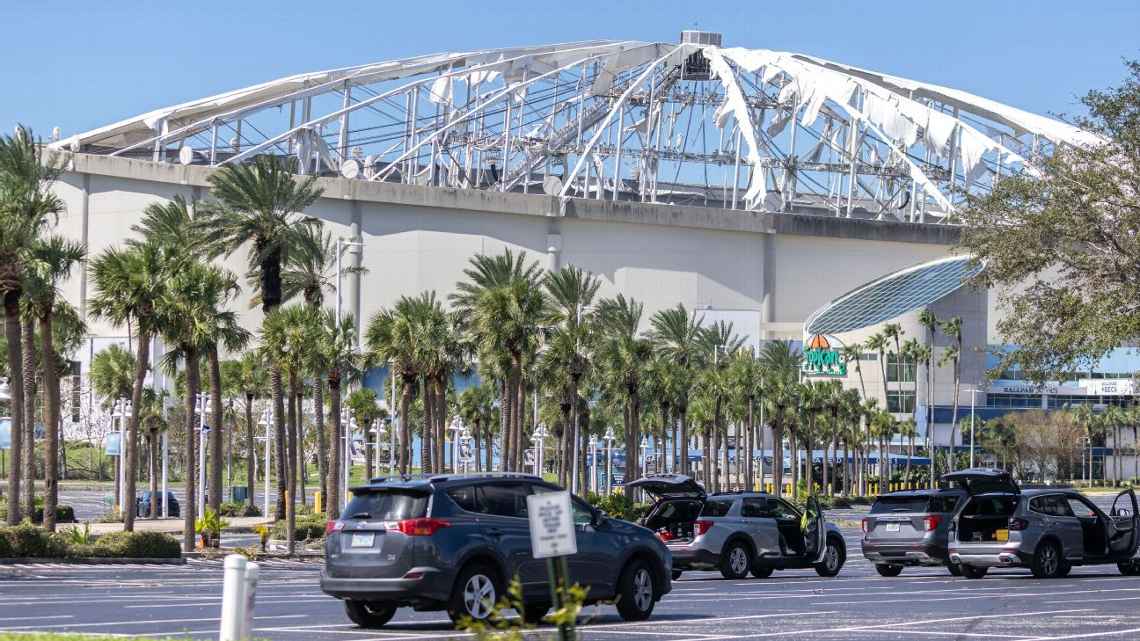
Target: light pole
(346,421)
(973,396)
(203,429)
(341,244)
(538,438)
(594,463)
(122,411)
(267,421)
(609,438)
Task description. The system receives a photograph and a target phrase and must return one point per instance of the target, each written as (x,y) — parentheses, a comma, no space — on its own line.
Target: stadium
(755,186)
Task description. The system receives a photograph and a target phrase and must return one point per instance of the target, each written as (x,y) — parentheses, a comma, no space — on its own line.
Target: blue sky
(78,65)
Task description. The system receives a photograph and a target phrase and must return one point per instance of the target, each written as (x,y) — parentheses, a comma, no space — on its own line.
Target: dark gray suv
(911,528)
(454,542)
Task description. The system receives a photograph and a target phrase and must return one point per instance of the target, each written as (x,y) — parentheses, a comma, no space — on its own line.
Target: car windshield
(888,504)
(386,505)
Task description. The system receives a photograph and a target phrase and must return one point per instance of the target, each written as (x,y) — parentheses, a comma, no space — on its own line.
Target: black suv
(453,543)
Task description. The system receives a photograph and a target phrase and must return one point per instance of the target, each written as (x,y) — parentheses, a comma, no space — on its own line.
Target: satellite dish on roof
(186,154)
(350,168)
(552,185)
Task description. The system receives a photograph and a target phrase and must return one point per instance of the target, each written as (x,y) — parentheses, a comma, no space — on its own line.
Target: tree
(261,203)
(1062,244)
(927,319)
(622,355)
(112,373)
(366,411)
(128,284)
(781,363)
(477,408)
(253,382)
(676,338)
(953,328)
(27,206)
(337,348)
(52,260)
(501,303)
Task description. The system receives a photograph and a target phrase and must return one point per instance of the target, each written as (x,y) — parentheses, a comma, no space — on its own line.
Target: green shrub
(134,545)
(230,508)
(619,506)
(309,527)
(63,513)
(29,541)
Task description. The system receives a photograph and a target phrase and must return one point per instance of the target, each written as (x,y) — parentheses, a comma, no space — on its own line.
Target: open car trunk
(984,515)
(679,503)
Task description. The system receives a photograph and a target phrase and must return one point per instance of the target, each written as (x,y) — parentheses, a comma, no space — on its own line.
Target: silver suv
(739,532)
(1046,530)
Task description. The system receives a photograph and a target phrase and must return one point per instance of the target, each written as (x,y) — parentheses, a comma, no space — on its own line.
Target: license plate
(1002,535)
(362,540)
(892,527)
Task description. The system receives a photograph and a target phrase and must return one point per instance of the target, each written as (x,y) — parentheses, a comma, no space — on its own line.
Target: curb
(95,560)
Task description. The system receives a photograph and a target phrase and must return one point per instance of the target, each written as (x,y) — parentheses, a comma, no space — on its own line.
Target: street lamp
(609,438)
(203,430)
(347,422)
(456,429)
(267,421)
(538,438)
(973,396)
(122,411)
(594,463)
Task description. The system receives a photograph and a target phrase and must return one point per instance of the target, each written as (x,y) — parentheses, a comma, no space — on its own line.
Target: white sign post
(552,538)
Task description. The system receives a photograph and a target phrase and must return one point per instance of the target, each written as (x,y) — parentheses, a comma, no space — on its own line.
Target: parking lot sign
(551,525)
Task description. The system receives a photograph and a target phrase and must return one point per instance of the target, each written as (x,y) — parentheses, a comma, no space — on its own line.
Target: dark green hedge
(29,541)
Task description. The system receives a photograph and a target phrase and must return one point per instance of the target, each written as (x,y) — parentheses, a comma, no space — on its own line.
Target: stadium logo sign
(820,359)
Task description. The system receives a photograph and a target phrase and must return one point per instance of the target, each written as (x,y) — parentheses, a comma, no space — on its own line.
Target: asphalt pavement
(160,601)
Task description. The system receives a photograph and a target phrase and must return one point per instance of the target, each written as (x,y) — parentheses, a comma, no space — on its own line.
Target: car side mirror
(596,517)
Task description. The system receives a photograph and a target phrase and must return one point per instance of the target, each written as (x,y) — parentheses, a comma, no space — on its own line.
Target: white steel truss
(682,124)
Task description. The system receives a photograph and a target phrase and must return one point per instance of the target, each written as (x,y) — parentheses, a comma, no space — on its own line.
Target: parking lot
(160,601)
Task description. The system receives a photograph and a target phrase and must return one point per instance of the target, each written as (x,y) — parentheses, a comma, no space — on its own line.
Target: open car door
(1123,525)
(814,529)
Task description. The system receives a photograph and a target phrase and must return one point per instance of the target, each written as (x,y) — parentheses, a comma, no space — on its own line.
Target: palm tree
(188,313)
(853,353)
(476,408)
(501,304)
(747,377)
(112,373)
(261,203)
(781,362)
(27,206)
(128,284)
(908,429)
(362,404)
(878,343)
(338,352)
(676,338)
(52,260)
(622,355)
(253,383)
(953,354)
(927,319)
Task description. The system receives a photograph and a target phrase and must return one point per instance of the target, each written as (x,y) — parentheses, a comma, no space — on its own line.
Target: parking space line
(1085,635)
(159,621)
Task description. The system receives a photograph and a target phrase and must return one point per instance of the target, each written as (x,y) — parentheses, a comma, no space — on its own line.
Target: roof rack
(731,492)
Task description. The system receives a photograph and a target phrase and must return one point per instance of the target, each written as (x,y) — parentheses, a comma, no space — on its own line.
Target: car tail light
(702,526)
(864,525)
(421,527)
(930,523)
(1017,523)
(665,535)
(333,526)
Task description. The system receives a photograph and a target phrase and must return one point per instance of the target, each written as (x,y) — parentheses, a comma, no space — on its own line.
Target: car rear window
(387,505)
(716,508)
(943,503)
(885,504)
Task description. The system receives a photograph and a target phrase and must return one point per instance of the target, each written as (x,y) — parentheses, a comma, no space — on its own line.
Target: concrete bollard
(251,572)
(233,598)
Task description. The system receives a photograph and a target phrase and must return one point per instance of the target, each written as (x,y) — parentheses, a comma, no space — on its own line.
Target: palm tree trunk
(684,440)
(291,474)
(250,453)
(335,471)
(405,429)
(217,420)
(278,394)
(153,463)
(51,422)
(505,397)
(706,456)
(29,456)
(299,428)
(324,460)
(192,386)
(520,417)
(749,426)
(778,458)
(12,337)
(441,421)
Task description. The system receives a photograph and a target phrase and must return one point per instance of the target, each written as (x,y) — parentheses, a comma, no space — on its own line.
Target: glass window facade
(897,372)
(900,401)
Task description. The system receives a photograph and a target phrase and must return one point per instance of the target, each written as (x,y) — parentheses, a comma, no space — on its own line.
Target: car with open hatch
(454,543)
(739,533)
(1048,530)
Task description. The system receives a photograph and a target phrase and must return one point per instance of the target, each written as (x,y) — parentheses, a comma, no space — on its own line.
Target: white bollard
(233,599)
(251,572)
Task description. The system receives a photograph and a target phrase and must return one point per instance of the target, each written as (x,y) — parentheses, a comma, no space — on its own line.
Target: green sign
(821,360)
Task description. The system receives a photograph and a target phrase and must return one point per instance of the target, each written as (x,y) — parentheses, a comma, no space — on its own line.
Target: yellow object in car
(1002,535)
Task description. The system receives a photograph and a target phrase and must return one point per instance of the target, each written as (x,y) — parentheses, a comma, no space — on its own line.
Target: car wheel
(888,570)
(475,594)
(636,593)
(735,561)
(1129,568)
(676,574)
(369,614)
(972,572)
(833,558)
(1047,561)
(761,571)
(954,568)
(1065,569)
(534,612)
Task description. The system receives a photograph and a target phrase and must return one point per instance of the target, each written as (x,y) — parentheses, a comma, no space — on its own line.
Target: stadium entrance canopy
(693,123)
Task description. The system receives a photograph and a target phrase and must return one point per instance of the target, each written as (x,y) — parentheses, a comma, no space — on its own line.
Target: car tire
(637,593)
(1129,568)
(761,571)
(973,572)
(833,558)
(534,612)
(888,570)
(735,560)
(369,614)
(954,568)
(1064,571)
(476,591)
(1047,561)
(677,574)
